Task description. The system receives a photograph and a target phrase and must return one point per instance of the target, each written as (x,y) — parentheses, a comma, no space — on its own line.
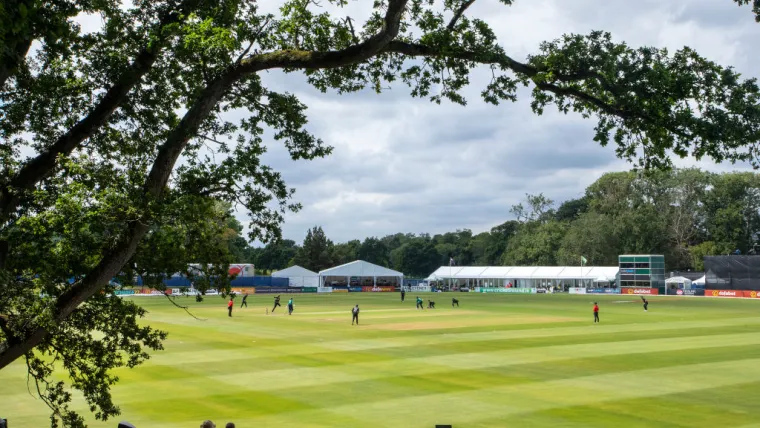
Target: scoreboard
(641,270)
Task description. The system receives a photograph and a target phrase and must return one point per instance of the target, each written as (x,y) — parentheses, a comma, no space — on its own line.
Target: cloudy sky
(407,165)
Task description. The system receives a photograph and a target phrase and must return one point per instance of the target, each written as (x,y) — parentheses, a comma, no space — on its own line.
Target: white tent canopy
(526,272)
(524,276)
(686,282)
(361,269)
(298,276)
(700,281)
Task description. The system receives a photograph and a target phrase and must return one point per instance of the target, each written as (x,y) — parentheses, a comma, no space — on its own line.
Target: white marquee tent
(524,276)
(298,276)
(360,269)
(700,281)
(681,281)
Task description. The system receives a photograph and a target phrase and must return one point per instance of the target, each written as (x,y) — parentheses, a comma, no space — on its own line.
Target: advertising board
(724,293)
(577,290)
(750,294)
(355,289)
(639,291)
(509,290)
(271,290)
(377,289)
(309,289)
(611,291)
(243,290)
(324,289)
(339,290)
(420,288)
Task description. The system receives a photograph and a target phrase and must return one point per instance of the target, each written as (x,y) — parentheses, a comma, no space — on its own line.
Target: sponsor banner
(639,291)
(611,291)
(271,290)
(577,290)
(749,294)
(595,291)
(123,292)
(541,290)
(355,289)
(243,290)
(509,290)
(309,290)
(377,289)
(687,292)
(339,290)
(420,288)
(324,289)
(724,293)
(520,290)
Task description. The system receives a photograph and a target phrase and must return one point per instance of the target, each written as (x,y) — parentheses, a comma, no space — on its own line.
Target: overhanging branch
(43,164)
(175,143)
(458,14)
(505,61)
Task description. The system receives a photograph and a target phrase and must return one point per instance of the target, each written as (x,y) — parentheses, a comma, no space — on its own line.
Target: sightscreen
(732,272)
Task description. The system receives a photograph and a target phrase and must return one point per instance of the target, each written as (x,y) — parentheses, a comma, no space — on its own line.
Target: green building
(642,270)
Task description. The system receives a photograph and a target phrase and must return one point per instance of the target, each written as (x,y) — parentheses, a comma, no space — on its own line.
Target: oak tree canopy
(122,135)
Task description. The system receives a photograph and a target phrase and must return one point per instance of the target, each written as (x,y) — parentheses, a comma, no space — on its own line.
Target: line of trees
(684,214)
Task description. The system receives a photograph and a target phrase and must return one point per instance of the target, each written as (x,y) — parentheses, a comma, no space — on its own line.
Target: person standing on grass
(229,307)
(244,302)
(290,306)
(646,303)
(403,293)
(596,312)
(454,301)
(276,303)
(355,315)
(419,303)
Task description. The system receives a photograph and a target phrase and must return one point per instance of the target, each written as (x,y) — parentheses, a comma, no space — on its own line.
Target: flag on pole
(583,261)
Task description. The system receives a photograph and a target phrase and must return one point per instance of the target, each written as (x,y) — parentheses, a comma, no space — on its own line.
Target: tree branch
(10,64)
(413,49)
(458,14)
(310,60)
(43,165)
(186,308)
(170,151)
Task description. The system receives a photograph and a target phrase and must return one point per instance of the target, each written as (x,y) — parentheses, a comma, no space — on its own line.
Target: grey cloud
(406,165)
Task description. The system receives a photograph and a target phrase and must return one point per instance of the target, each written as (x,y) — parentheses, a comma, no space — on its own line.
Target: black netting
(732,272)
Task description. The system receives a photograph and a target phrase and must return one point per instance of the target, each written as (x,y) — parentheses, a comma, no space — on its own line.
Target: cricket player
(403,293)
(244,302)
(596,312)
(290,306)
(646,303)
(229,307)
(454,302)
(276,303)
(431,304)
(419,303)
(355,315)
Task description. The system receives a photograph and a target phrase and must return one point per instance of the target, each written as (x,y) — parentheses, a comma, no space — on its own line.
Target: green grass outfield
(500,360)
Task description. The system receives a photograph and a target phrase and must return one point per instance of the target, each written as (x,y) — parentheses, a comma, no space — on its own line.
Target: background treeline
(684,214)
